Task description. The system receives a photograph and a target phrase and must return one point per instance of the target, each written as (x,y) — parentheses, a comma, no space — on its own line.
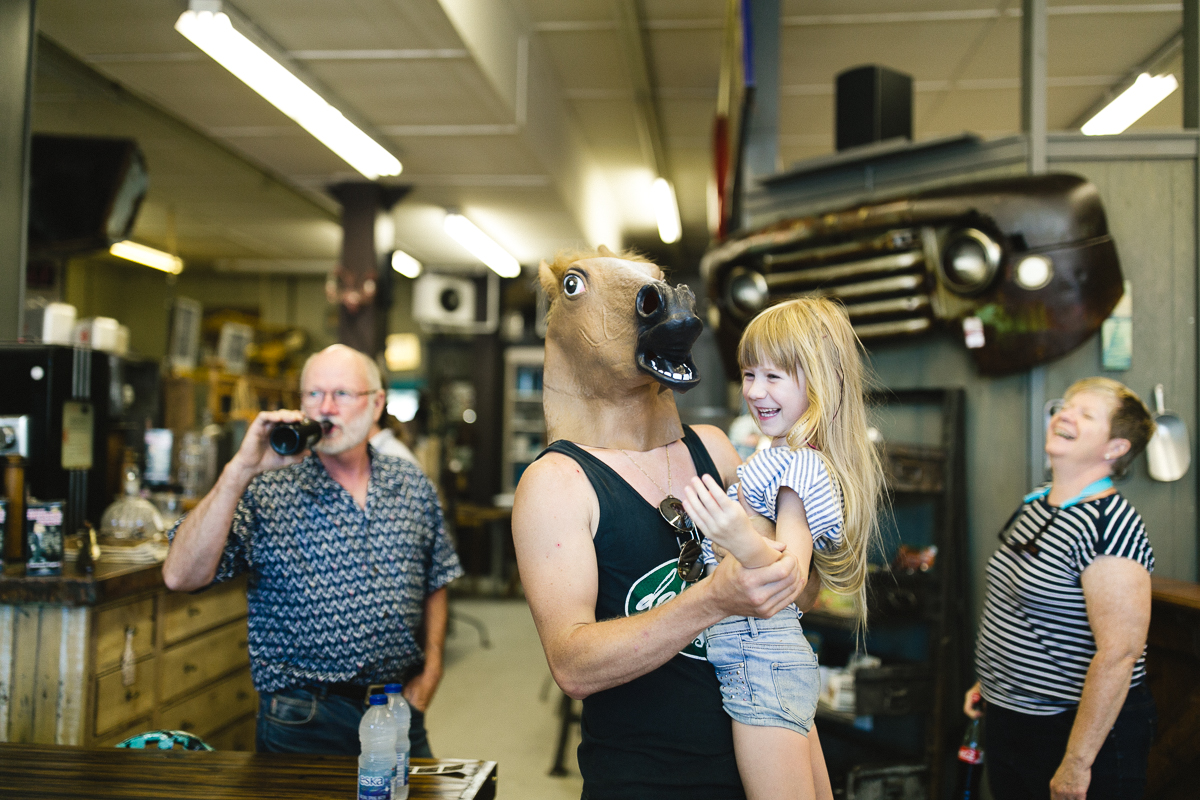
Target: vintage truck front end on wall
(1022,269)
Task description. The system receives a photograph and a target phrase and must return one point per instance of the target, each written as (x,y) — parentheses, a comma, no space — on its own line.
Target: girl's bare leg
(775,763)
(820,772)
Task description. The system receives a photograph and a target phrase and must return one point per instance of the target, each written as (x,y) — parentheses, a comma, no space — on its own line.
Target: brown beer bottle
(14,490)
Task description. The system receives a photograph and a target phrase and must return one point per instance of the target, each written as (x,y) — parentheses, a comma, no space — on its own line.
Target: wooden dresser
(1173,673)
(92,661)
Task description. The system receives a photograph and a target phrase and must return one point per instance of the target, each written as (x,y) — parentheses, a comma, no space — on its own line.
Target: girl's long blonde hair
(812,336)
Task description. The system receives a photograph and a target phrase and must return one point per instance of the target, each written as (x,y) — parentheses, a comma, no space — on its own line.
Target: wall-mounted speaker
(444,303)
(84,192)
(873,104)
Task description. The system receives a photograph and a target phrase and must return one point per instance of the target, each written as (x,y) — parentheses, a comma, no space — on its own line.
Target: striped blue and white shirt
(1035,642)
(804,472)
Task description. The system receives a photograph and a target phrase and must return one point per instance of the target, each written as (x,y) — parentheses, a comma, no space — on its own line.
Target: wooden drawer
(199,660)
(118,705)
(238,736)
(185,615)
(111,624)
(213,708)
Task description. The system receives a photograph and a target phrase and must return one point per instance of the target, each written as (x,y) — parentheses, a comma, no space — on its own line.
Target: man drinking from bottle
(348,559)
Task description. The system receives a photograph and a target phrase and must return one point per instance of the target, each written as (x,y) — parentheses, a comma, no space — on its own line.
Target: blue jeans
(304,721)
(767,669)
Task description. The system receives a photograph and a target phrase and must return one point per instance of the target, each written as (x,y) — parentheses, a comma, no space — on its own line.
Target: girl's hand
(725,522)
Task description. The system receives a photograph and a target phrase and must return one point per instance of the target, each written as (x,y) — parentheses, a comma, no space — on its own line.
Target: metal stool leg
(474,622)
(566,711)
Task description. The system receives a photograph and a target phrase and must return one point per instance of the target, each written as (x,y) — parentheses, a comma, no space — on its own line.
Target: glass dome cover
(131,517)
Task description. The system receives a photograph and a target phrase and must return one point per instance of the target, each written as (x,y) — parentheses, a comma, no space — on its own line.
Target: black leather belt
(350,691)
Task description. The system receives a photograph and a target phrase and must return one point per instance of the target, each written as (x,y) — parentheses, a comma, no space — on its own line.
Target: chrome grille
(883,280)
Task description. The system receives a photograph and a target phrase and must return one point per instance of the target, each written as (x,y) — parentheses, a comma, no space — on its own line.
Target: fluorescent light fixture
(666,210)
(405,264)
(132,251)
(480,245)
(211,29)
(1131,105)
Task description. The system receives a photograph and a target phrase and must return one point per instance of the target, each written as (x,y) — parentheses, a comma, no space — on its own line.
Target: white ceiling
(522,113)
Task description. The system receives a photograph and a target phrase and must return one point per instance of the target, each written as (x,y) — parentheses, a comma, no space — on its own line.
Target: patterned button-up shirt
(337,593)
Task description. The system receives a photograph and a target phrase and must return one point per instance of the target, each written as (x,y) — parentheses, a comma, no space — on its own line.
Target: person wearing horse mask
(609,561)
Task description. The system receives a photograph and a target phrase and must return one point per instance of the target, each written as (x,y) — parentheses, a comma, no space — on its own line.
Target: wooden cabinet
(95,675)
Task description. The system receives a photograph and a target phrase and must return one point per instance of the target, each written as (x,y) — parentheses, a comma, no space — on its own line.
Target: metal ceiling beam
(18,40)
(630,24)
(1189,42)
(885,18)
(1033,125)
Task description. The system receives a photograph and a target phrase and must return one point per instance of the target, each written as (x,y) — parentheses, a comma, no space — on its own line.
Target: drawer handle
(189,668)
(242,694)
(131,695)
(193,611)
(186,725)
(242,644)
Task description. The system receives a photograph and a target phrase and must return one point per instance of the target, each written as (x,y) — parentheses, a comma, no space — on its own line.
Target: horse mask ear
(548,281)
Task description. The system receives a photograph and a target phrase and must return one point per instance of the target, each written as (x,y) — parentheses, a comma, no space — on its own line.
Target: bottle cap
(393,688)
(378,700)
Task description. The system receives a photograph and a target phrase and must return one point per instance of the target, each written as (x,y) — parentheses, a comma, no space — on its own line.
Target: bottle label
(970,755)
(374,785)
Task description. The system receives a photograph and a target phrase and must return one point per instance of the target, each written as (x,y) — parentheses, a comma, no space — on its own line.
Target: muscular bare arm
(196,550)
(554,518)
(1117,593)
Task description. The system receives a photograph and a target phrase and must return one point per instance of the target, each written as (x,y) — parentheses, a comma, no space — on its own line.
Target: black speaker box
(873,103)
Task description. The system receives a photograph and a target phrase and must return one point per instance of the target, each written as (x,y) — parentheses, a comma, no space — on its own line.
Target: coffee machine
(56,402)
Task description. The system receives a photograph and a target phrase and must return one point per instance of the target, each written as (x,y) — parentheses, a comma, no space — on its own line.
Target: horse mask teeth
(618,341)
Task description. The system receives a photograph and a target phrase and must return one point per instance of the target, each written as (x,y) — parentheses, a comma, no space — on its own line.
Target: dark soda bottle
(970,762)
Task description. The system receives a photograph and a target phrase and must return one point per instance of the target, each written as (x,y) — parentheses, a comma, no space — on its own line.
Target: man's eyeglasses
(341,397)
(689,566)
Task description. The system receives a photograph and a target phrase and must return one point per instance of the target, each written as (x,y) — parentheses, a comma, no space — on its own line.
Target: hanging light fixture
(480,245)
(1131,105)
(405,264)
(147,256)
(210,25)
(666,210)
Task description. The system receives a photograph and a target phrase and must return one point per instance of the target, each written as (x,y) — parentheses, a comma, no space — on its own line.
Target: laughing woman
(1060,658)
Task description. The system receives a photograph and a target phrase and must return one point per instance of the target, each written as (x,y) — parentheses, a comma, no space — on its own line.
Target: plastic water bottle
(377,764)
(402,716)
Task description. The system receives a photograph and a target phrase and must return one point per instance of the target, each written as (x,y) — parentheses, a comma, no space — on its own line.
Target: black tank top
(663,735)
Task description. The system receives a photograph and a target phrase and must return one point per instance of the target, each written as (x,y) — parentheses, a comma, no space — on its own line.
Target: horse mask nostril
(649,300)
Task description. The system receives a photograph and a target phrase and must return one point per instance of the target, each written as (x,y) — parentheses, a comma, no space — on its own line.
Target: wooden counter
(41,771)
(1173,673)
(93,660)
(111,582)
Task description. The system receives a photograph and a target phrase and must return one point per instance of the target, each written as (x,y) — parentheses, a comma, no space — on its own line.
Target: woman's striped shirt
(1035,643)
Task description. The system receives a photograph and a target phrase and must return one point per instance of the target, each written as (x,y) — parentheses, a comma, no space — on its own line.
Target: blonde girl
(819,482)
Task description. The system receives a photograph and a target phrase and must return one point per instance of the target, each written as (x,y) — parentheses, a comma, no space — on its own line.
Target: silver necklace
(671,507)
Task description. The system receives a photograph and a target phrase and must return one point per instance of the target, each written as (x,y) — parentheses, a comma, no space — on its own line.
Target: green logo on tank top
(655,588)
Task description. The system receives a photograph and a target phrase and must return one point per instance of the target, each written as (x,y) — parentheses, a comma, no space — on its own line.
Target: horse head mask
(618,341)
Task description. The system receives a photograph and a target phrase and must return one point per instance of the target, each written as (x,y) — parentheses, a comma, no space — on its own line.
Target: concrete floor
(500,704)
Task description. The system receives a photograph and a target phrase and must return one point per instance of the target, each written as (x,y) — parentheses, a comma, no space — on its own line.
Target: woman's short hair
(1130,419)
